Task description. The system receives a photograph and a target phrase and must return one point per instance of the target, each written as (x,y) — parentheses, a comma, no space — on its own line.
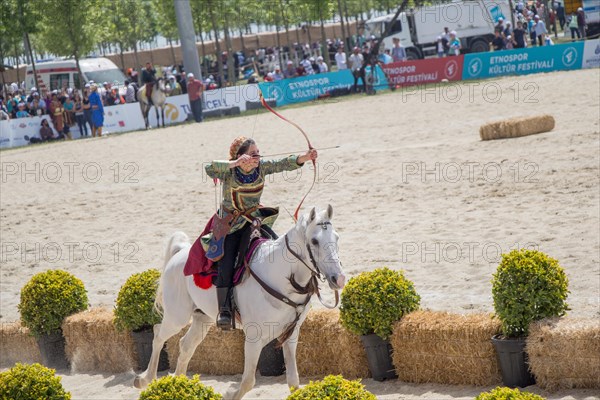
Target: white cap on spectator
(33,89)
(270,74)
(500,19)
(311,59)
(319,58)
(453,33)
(439,38)
(211,77)
(55,91)
(536,17)
(172,77)
(289,63)
(35,94)
(105,83)
(190,75)
(277,68)
(580,9)
(87,85)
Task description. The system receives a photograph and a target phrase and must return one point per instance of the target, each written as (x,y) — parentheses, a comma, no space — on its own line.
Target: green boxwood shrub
(373,301)
(31,382)
(528,286)
(179,388)
(332,387)
(135,310)
(48,298)
(504,393)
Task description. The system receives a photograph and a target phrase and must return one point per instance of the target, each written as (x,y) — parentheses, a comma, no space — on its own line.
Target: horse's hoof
(137,382)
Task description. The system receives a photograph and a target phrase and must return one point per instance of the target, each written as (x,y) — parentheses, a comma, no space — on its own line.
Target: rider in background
(243,179)
(148,79)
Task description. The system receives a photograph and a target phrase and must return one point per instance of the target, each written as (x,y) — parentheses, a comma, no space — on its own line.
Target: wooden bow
(310,147)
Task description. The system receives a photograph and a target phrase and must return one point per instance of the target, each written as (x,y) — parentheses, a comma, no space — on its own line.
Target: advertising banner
(121,118)
(523,61)
(16,132)
(420,72)
(591,54)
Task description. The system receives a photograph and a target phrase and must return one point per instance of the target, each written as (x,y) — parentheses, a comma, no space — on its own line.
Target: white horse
(288,266)
(159,98)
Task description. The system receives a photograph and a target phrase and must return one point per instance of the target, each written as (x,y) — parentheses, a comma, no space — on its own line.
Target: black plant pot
(52,349)
(513,360)
(271,362)
(379,357)
(143,348)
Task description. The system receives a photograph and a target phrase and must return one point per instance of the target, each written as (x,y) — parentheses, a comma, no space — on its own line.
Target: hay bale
(564,353)
(220,353)
(94,345)
(17,345)
(446,348)
(325,347)
(517,127)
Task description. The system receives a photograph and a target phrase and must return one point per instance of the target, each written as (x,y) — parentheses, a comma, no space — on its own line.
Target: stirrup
(224,320)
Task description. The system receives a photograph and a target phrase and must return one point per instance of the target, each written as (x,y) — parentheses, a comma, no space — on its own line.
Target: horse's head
(321,243)
(160,83)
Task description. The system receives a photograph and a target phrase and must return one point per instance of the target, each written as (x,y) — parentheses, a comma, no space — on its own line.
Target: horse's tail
(177,241)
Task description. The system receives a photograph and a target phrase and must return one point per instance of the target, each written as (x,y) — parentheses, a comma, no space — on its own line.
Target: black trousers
(226,265)
(359,74)
(196,106)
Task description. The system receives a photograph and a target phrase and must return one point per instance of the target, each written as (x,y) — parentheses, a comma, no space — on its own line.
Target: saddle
(252,239)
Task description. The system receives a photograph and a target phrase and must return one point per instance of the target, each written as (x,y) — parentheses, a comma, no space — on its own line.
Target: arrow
(299,151)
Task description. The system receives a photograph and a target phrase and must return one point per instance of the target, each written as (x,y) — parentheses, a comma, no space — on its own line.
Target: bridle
(311,287)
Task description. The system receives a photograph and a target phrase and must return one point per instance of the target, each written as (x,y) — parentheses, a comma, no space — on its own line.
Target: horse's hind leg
(162,115)
(175,318)
(157,116)
(194,336)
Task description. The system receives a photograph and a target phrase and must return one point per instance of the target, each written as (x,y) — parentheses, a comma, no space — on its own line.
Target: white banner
(591,54)
(122,118)
(13,132)
(177,109)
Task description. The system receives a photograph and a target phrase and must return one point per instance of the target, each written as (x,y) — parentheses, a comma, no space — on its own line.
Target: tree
(166,22)
(76,34)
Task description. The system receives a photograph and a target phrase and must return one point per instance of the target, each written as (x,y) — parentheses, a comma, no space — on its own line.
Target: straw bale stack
(446,348)
(325,347)
(94,345)
(220,353)
(17,345)
(564,353)
(517,127)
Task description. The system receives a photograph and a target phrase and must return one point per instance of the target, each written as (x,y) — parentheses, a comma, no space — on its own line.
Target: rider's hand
(246,161)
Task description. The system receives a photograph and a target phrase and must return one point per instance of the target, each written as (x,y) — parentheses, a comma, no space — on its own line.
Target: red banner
(421,72)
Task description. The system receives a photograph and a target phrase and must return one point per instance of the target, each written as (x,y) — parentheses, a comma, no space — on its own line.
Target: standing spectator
(57,111)
(498,41)
(440,47)
(581,22)
(313,64)
(519,36)
(97,111)
(87,107)
(195,88)
(574,27)
(148,79)
(290,71)
(455,45)
(356,62)
(79,117)
(340,59)
(398,51)
(446,39)
(560,14)
(175,88)
(321,65)
(500,25)
(129,92)
(508,30)
(540,30)
(68,106)
(277,75)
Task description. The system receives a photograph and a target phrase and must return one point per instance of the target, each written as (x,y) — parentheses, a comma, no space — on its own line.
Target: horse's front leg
(162,116)
(289,355)
(251,354)
(157,119)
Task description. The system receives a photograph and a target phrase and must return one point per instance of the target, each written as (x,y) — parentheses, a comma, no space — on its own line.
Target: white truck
(58,74)
(418,29)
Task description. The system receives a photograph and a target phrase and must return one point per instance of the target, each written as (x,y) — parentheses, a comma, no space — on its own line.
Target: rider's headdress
(235,146)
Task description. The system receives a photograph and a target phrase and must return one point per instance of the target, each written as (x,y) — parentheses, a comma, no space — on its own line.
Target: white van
(473,20)
(58,74)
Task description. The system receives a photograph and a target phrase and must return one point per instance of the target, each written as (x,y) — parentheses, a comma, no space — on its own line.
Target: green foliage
(332,387)
(504,393)
(528,286)
(48,298)
(179,388)
(373,301)
(135,303)
(31,382)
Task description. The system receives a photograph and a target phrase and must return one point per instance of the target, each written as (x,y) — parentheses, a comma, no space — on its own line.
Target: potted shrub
(46,300)
(527,286)
(135,312)
(31,382)
(371,303)
(332,387)
(504,393)
(180,388)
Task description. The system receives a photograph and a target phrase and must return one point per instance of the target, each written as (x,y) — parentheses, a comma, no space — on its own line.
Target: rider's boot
(224,319)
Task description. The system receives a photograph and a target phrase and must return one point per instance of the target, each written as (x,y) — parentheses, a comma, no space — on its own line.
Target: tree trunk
(17,66)
(285,23)
(231,76)
(76,54)
(137,62)
(121,56)
(325,50)
(308,33)
(298,34)
(278,45)
(341,12)
(512,13)
(172,52)
(218,45)
(31,59)
(347,41)
(242,41)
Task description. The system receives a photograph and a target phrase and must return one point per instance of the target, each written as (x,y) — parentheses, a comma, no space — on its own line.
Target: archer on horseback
(149,79)
(243,179)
